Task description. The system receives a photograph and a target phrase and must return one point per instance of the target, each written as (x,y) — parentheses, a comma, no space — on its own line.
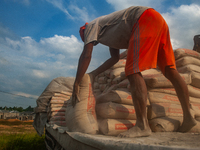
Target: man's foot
(135,132)
(187,125)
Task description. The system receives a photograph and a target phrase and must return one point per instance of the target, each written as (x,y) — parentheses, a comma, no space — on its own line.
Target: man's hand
(75,97)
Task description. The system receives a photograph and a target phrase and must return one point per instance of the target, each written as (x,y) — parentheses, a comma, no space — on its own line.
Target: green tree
(29,108)
(20,109)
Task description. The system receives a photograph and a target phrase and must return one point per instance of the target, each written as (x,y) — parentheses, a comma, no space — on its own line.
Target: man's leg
(139,96)
(182,93)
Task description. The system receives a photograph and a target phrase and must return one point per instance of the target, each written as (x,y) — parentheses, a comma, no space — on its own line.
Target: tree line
(20,109)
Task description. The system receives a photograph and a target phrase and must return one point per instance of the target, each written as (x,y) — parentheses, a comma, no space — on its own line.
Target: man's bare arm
(83,64)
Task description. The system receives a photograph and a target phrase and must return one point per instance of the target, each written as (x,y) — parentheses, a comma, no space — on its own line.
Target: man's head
(81,31)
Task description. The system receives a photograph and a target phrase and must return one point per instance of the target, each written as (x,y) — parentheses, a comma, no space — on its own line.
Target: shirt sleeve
(91,33)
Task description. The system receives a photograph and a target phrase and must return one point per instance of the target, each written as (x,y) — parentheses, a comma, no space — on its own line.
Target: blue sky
(39,39)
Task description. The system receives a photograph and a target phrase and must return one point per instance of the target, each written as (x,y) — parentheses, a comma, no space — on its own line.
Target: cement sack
(57,102)
(171,91)
(57,118)
(82,117)
(156,110)
(194,100)
(181,52)
(107,73)
(145,72)
(160,81)
(114,127)
(102,80)
(124,83)
(116,80)
(157,97)
(96,92)
(186,61)
(101,75)
(195,76)
(123,75)
(96,79)
(60,98)
(59,123)
(96,85)
(112,110)
(102,87)
(106,89)
(57,109)
(119,64)
(123,54)
(197,118)
(193,91)
(165,124)
(151,71)
(196,109)
(121,96)
(63,94)
(189,68)
(57,114)
(58,105)
(109,81)
(110,88)
(116,72)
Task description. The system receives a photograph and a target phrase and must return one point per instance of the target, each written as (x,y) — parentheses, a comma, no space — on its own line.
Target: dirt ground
(7,128)
(11,120)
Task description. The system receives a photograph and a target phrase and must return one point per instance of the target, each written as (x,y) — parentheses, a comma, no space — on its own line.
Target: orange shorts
(149,44)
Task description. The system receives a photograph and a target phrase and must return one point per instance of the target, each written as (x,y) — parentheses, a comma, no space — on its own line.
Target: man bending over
(145,34)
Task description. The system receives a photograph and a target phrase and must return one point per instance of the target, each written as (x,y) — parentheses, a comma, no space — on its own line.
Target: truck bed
(157,141)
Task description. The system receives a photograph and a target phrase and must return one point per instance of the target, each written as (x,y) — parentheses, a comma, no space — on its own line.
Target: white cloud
(59,4)
(62,44)
(25,62)
(183,24)
(40,74)
(122,4)
(80,13)
(71,10)
(25,45)
(25,95)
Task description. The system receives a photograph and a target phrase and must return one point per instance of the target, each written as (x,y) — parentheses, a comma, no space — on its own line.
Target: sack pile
(115,109)
(188,61)
(55,86)
(114,112)
(114,106)
(82,117)
(57,108)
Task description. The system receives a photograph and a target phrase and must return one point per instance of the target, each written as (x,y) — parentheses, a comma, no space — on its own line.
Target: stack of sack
(43,102)
(107,106)
(114,106)
(165,112)
(81,117)
(57,108)
(188,61)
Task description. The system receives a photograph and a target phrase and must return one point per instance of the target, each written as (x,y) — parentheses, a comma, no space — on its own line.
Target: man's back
(114,29)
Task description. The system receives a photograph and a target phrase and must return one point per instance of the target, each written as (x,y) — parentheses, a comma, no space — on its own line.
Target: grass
(18,135)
